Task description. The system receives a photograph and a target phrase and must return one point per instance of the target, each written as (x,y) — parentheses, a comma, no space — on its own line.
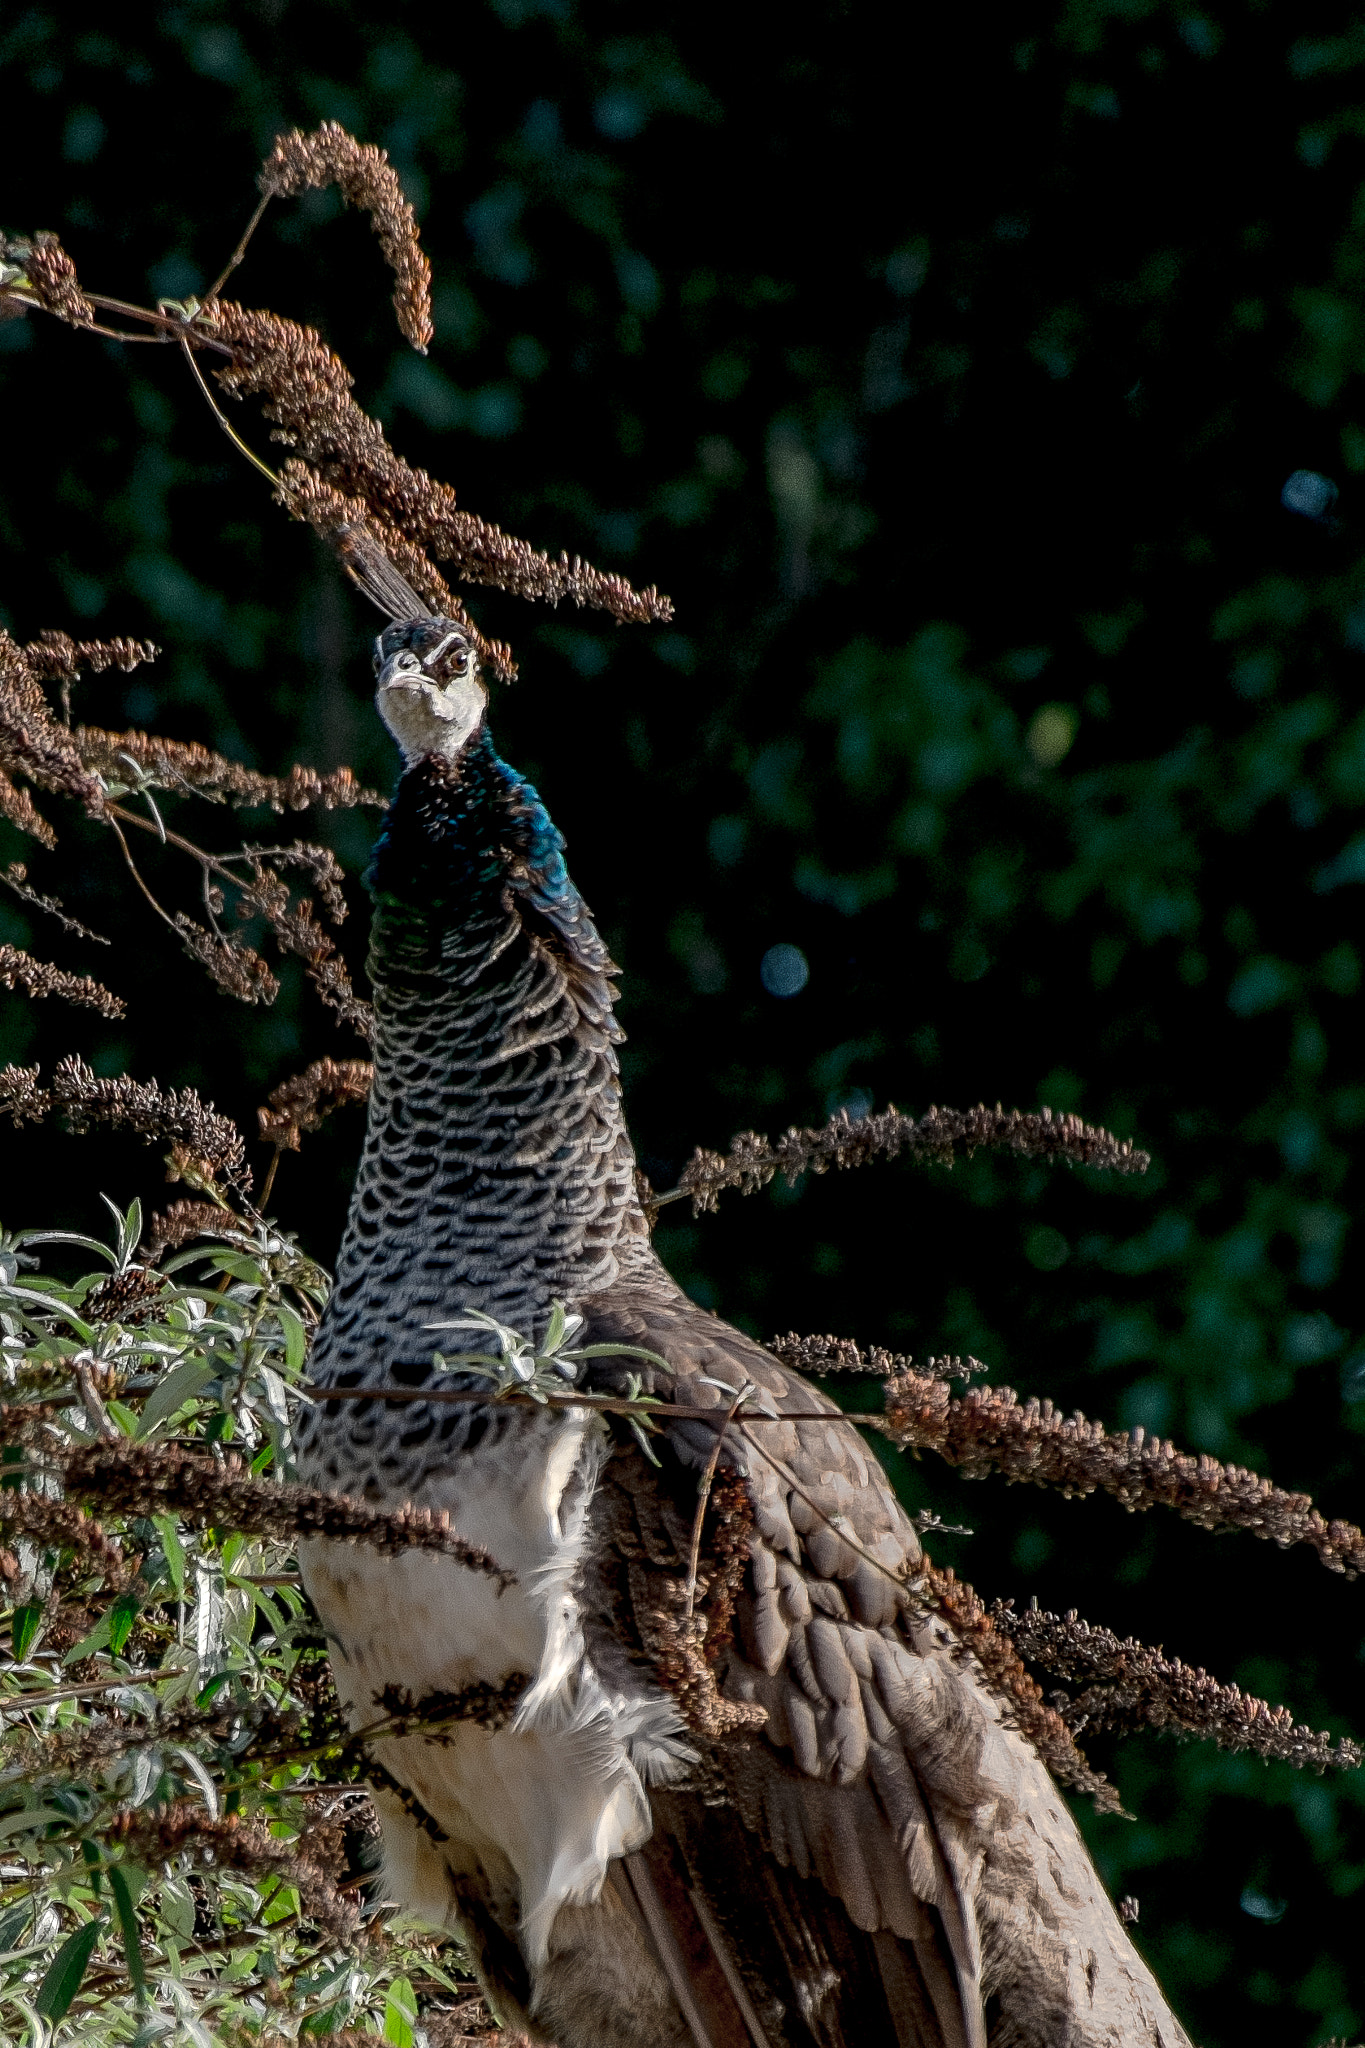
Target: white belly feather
(560,1792)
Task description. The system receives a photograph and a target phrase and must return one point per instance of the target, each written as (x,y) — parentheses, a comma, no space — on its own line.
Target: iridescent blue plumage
(466,836)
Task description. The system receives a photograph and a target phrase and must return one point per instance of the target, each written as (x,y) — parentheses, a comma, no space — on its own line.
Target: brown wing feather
(884,1777)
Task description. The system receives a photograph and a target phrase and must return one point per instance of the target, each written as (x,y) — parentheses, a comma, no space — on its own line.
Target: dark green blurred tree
(987,394)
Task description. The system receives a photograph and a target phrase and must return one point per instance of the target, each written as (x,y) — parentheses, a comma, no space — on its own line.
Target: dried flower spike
(39,978)
(306,1100)
(845,1141)
(307,393)
(184,766)
(981,1636)
(365,178)
(204,1143)
(51,276)
(1129,1685)
(989,1430)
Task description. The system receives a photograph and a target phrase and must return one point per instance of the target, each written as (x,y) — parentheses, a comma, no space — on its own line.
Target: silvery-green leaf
(555,1328)
(295,1338)
(184,1684)
(31,1817)
(177,1907)
(200,1776)
(275,1395)
(620,1351)
(89,1244)
(209,1613)
(146,1776)
(154,2028)
(97,1639)
(173,1551)
(180,1385)
(14,1921)
(129,1229)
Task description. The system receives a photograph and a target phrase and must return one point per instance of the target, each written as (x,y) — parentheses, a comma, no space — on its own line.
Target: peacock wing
(930,1872)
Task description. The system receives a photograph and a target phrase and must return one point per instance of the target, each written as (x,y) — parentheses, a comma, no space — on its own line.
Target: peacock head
(429,691)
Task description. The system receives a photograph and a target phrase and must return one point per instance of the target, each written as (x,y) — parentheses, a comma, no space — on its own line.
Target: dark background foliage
(951,385)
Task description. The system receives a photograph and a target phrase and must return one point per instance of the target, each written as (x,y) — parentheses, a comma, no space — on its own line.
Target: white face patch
(424,716)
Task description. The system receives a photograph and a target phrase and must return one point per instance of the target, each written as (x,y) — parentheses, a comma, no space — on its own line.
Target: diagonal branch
(981,1633)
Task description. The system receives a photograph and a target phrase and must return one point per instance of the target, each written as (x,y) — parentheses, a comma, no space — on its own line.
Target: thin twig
(12,1703)
(271,1171)
(240,251)
(704,1494)
(608,1404)
(225,423)
(113,814)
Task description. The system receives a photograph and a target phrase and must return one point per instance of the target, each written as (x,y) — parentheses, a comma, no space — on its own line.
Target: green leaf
(62,1979)
(32,1816)
(554,1334)
(129,1229)
(295,1338)
(96,1640)
(13,1921)
(177,1907)
(172,1548)
(122,1614)
(618,1351)
(126,1882)
(400,2013)
(240,1267)
(180,1385)
(90,1244)
(285,1902)
(24,1627)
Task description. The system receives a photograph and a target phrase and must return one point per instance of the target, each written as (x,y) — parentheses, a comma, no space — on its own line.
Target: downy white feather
(559,1793)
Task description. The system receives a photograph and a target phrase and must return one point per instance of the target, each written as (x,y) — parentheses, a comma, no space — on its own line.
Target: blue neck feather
(462,838)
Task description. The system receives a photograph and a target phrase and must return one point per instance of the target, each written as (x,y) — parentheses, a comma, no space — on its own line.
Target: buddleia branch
(306,1100)
(309,1862)
(820,1356)
(936,1137)
(39,978)
(1130,1685)
(981,1633)
(341,471)
(205,1144)
(989,1430)
(140,1479)
(184,767)
(98,768)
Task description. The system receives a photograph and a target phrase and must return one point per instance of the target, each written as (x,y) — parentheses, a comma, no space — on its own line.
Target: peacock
(742,1790)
